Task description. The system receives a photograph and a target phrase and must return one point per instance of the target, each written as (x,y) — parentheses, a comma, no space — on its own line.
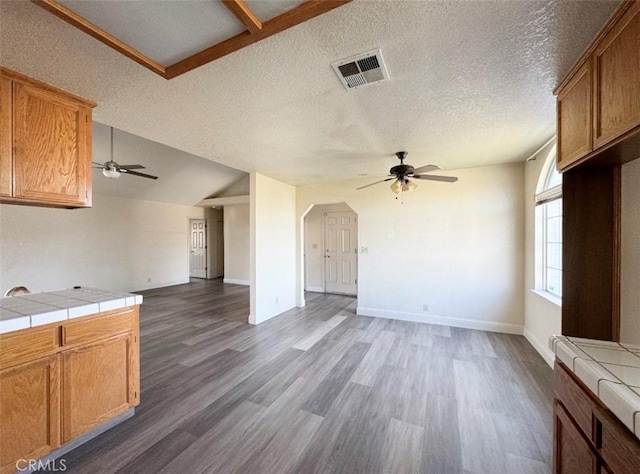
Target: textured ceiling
(471,84)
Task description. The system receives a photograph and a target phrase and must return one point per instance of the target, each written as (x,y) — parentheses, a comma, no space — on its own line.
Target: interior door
(340,258)
(198,249)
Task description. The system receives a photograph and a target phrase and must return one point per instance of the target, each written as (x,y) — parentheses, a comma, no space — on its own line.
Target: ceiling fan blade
(430,177)
(377,182)
(136,173)
(131,167)
(425,169)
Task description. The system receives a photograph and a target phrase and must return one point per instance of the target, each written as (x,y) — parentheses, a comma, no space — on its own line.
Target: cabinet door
(52,155)
(29,411)
(98,383)
(617,79)
(572,453)
(575,118)
(6,145)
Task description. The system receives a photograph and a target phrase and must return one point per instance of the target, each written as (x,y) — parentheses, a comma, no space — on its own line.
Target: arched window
(548,222)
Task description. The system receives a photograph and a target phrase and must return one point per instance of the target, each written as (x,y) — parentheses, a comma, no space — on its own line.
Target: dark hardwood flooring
(320,389)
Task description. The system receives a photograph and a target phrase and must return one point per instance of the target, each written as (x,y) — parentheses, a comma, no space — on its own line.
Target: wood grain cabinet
(60,381)
(616,72)
(588,438)
(29,411)
(574,118)
(599,101)
(45,144)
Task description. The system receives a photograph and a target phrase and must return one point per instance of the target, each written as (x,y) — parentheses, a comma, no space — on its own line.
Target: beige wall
(236,244)
(457,248)
(273,245)
(630,276)
(542,317)
(118,244)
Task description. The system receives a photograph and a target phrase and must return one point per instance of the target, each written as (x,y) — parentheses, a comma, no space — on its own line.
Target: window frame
(548,190)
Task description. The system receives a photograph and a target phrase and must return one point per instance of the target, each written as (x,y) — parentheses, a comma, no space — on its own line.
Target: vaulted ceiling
(470,85)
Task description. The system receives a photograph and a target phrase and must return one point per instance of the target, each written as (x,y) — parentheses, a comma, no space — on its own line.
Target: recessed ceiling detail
(361,70)
(171,38)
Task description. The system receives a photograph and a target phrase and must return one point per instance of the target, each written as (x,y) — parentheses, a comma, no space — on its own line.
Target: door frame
(323,240)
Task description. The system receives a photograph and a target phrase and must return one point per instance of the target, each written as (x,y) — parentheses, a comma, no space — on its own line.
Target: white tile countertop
(37,309)
(610,370)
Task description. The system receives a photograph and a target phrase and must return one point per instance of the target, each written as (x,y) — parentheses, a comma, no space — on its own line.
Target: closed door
(198,249)
(341,244)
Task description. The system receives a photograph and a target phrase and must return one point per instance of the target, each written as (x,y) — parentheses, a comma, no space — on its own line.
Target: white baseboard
(233,281)
(441,320)
(543,350)
(315,289)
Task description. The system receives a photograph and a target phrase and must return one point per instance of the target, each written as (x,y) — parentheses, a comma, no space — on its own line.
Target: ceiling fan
(112,170)
(401,174)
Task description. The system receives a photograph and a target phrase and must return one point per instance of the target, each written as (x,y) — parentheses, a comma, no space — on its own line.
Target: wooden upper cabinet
(574,118)
(45,144)
(30,408)
(6,155)
(616,72)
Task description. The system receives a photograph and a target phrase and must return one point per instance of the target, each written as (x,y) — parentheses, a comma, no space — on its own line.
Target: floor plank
(320,389)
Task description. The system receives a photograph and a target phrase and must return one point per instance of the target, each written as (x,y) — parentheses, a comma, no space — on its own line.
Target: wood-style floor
(320,389)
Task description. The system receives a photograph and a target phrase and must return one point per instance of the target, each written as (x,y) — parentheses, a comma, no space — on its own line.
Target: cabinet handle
(63,335)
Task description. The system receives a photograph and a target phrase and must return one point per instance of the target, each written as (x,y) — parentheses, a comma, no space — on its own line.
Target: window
(548,222)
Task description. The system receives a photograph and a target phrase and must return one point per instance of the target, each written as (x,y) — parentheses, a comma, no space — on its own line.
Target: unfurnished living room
(285,236)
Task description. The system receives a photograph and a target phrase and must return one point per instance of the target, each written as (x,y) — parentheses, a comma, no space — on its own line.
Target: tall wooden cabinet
(598,109)
(45,144)
(60,381)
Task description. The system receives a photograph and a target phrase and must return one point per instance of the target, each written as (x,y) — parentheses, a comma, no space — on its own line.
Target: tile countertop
(610,370)
(37,309)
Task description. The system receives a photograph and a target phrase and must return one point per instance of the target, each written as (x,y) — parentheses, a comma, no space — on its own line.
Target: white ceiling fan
(113,170)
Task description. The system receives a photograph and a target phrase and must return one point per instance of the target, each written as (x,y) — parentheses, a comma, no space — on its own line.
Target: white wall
(313,245)
(273,246)
(236,244)
(630,254)
(542,317)
(457,248)
(118,244)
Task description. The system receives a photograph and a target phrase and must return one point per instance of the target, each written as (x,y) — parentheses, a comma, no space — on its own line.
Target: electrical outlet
(425,308)
(149,280)
(276,300)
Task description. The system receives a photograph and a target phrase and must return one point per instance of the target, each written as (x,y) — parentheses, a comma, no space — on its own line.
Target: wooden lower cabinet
(572,453)
(29,410)
(587,437)
(96,384)
(58,382)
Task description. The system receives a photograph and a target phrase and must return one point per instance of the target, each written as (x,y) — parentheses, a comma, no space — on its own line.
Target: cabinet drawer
(27,345)
(574,398)
(109,324)
(617,446)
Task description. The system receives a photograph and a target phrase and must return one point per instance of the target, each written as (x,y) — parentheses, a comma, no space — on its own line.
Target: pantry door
(341,257)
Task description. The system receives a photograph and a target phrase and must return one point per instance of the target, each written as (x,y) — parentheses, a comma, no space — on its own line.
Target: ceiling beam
(244,14)
(89,28)
(293,17)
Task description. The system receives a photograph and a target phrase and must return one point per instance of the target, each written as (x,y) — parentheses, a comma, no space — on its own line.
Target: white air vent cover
(361,70)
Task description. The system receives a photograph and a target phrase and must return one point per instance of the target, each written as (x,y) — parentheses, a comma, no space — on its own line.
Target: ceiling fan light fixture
(110,173)
(396,187)
(408,186)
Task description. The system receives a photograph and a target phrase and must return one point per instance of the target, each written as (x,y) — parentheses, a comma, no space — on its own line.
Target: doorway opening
(331,249)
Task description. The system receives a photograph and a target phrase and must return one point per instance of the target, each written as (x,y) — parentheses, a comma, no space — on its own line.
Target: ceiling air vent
(361,70)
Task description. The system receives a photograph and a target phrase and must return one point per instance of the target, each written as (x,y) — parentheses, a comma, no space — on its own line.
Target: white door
(198,248)
(340,258)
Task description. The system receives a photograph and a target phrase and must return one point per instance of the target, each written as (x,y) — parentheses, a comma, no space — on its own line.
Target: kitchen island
(69,369)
